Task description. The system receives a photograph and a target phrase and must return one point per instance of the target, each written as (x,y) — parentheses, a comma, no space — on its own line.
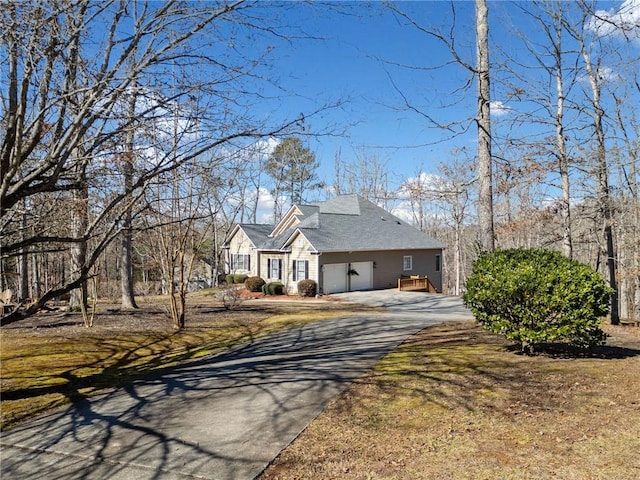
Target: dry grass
(51,359)
(456,402)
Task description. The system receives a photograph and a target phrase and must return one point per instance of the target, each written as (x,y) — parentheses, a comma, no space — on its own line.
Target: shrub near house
(254,284)
(307,288)
(536,296)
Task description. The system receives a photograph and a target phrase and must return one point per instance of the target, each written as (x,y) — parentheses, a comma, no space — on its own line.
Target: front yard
(51,359)
(455,402)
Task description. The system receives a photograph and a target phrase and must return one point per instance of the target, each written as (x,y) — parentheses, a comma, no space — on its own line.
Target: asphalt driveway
(225,416)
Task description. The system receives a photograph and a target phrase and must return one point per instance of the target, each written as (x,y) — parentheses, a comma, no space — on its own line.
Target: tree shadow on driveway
(225,416)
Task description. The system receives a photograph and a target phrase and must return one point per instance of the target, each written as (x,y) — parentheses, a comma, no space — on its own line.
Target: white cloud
(608,74)
(404,212)
(265,199)
(266,147)
(605,74)
(425,185)
(623,22)
(498,108)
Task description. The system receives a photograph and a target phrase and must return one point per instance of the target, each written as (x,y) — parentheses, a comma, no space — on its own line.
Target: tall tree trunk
(35,277)
(126,265)
(563,158)
(126,260)
(458,258)
(485,177)
(602,178)
(630,181)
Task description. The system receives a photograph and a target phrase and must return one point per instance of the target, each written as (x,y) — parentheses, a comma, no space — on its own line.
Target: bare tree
(485,177)
(595,77)
(482,117)
(62,109)
(126,235)
(550,58)
(368,175)
(458,179)
(182,230)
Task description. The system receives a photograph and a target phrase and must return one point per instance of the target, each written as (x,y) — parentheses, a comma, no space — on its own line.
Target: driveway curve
(226,416)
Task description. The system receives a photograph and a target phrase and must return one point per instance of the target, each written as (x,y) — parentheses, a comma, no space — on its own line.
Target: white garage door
(334,278)
(364,279)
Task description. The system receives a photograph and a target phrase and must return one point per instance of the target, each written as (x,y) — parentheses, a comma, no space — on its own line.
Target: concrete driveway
(225,416)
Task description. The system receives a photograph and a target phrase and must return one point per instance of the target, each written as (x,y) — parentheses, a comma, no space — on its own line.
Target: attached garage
(363,279)
(347,277)
(334,277)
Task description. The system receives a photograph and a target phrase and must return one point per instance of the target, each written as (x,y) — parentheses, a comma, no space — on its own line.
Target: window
(300,270)
(407,262)
(274,268)
(438,263)
(240,261)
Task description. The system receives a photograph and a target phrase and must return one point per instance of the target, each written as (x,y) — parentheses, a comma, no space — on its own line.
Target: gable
(289,220)
(298,243)
(239,241)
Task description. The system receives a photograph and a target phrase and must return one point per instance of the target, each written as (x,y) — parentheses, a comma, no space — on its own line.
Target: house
(344,244)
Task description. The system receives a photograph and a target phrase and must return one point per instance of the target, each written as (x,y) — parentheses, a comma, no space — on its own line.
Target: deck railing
(416,283)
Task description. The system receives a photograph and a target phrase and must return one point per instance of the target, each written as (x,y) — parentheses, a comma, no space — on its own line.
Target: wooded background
(130,146)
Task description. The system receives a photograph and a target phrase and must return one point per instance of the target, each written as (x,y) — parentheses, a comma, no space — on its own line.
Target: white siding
(240,244)
(300,251)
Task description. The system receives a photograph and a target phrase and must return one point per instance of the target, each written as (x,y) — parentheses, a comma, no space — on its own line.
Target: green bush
(273,288)
(254,284)
(239,278)
(307,288)
(236,278)
(536,296)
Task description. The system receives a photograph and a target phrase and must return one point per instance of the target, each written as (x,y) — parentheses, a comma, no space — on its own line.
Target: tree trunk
(126,266)
(126,258)
(602,178)
(485,177)
(23,263)
(563,158)
(126,263)
(80,199)
(35,277)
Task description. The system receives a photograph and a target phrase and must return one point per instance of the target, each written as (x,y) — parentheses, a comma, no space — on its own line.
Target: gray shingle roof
(258,233)
(355,224)
(346,223)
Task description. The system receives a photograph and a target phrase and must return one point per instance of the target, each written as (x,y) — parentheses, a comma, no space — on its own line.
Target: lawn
(51,359)
(455,402)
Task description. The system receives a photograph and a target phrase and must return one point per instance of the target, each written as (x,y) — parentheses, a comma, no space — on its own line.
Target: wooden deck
(416,283)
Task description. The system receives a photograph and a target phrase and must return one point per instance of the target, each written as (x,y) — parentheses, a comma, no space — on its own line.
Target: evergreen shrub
(239,278)
(308,288)
(254,284)
(537,296)
(273,288)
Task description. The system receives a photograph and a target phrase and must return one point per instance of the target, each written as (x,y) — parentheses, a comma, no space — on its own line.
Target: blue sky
(351,58)
(352,62)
